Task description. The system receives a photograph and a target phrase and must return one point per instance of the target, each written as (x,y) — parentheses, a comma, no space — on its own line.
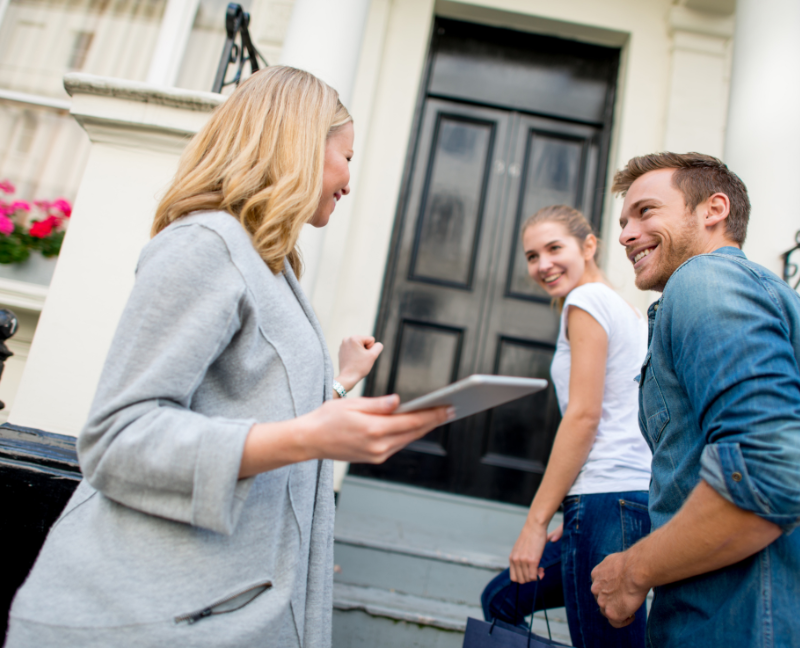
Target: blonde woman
(206,514)
(599,467)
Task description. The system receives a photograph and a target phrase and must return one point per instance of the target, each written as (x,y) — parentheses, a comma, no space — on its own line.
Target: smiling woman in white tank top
(599,467)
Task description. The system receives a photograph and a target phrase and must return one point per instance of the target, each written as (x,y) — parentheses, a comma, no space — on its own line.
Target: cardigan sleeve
(142,445)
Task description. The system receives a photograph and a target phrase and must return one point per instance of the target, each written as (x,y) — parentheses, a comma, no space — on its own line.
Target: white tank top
(619,459)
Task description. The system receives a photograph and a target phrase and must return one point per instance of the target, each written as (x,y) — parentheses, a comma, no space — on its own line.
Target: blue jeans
(595,526)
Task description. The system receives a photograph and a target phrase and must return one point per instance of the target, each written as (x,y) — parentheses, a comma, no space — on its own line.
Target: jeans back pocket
(635,519)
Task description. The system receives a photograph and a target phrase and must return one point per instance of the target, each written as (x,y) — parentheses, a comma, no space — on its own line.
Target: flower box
(36,269)
(29,246)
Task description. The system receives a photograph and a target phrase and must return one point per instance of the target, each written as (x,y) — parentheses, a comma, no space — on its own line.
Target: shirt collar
(729,249)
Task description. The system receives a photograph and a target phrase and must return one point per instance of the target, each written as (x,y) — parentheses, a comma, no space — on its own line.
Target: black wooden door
(457,299)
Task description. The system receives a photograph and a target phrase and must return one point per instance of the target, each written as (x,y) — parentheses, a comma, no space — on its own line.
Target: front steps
(411,565)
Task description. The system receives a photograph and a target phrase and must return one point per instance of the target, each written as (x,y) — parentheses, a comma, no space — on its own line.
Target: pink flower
(43,229)
(20,204)
(7,187)
(63,206)
(44,205)
(6,225)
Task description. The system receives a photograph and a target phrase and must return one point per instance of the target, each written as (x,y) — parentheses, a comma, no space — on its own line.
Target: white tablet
(475,393)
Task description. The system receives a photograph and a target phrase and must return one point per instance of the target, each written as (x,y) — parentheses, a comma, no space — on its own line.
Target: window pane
(42,149)
(41,40)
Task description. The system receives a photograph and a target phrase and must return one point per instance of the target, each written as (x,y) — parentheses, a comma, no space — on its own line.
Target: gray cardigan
(161,544)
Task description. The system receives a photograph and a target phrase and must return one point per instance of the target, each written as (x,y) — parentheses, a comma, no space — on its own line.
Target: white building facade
(587,86)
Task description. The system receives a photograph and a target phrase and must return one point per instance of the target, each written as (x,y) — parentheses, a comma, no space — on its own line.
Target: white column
(171,44)
(763,135)
(324,37)
(138,133)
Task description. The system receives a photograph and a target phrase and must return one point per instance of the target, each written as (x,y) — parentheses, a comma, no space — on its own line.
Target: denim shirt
(719,400)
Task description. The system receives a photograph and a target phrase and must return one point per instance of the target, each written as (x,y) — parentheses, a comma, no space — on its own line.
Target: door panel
(553,172)
(449,224)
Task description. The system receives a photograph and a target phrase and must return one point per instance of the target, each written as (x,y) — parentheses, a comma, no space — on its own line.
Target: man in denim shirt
(719,405)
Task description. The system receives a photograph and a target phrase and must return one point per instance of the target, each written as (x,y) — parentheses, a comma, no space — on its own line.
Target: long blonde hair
(260,158)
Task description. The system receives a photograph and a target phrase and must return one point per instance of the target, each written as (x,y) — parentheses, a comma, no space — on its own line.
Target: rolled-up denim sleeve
(733,353)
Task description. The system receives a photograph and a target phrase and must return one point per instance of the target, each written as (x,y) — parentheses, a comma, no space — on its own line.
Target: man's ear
(715,209)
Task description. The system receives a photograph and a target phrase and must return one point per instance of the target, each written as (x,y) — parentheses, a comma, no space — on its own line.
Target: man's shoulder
(719,270)
(721,280)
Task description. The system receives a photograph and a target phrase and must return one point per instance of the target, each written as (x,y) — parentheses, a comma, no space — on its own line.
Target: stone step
(441,619)
(477,530)
(411,565)
(421,542)
(404,607)
(410,573)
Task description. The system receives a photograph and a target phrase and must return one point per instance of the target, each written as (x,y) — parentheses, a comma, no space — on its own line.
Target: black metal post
(790,265)
(237,22)
(8,326)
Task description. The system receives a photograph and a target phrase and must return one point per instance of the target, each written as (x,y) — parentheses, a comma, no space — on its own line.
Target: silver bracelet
(339,389)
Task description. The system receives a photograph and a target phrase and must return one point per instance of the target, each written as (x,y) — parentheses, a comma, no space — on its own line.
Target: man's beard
(681,247)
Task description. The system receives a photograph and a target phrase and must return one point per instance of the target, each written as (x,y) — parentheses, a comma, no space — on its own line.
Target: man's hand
(616,594)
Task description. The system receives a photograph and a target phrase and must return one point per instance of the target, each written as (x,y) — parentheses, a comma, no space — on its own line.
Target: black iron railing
(233,53)
(791,264)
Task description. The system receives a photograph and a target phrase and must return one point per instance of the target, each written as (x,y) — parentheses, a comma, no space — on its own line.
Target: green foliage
(49,247)
(16,247)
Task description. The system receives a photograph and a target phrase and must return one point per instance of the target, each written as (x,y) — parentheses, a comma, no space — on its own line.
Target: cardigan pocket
(229,603)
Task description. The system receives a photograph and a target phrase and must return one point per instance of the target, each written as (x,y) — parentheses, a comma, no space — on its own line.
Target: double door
(457,297)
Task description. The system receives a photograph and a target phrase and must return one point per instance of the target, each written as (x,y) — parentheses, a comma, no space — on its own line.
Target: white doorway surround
(763,133)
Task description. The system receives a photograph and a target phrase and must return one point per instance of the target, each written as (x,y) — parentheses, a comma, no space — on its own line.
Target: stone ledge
(90,84)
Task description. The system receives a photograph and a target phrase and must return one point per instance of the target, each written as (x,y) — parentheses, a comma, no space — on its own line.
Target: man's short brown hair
(697,177)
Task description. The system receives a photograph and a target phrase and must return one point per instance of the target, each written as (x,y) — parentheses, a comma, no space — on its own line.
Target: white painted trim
(683,19)
(91,84)
(495,16)
(33,99)
(133,115)
(20,294)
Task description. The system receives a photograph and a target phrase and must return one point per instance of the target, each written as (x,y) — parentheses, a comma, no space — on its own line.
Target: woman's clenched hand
(357,354)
